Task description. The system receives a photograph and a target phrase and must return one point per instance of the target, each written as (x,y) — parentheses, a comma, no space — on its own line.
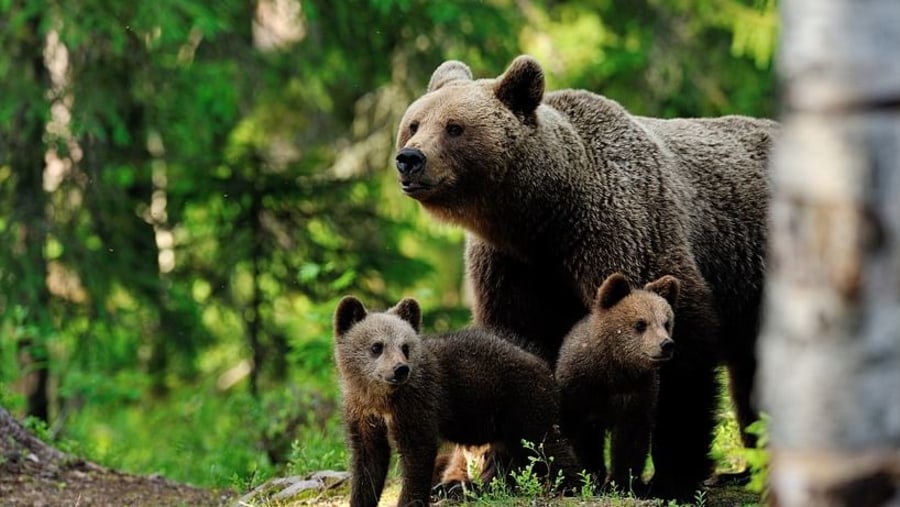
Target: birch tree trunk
(830,343)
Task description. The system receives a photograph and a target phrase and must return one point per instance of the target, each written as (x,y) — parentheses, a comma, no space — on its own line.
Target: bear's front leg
(688,396)
(370,457)
(529,299)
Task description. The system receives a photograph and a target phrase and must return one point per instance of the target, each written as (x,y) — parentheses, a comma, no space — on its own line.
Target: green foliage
(318,450)
(587,484)
(530,481)
(40,429)
(700,499)
(186,194)
(758,457)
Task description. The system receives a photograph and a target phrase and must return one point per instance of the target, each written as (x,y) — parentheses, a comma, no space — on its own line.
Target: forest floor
(27,482)
(35,474)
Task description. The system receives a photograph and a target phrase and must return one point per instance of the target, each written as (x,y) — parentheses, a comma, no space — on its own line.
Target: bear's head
(376,349)
(637,324)
(456,143)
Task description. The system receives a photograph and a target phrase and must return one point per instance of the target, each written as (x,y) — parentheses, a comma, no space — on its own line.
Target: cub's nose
(410,161)
(401,371)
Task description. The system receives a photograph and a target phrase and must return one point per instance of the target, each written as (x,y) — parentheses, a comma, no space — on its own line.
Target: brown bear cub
(468,387)
(608,375)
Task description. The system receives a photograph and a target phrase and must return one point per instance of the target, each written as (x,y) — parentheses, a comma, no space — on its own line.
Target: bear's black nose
(410,161)
(667,346)
(401,371)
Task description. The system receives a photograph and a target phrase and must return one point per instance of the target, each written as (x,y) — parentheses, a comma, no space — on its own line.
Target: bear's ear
(667,287)
(613,290)
(447,72)
(349,311)
(521,87)
(408,310)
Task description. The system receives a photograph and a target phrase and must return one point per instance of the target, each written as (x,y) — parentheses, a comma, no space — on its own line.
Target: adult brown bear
(560,190)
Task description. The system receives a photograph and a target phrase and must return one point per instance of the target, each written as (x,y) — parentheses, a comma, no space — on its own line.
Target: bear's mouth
(416,189)
(660,358)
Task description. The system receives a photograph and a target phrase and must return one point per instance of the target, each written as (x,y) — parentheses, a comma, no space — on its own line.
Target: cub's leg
(417,444)
(629,446)
(370,456)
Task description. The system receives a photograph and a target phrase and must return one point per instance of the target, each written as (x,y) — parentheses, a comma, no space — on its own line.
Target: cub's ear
(408,310)
(447,72)
(349,311)
(667,286)
(521,87)
(613,290)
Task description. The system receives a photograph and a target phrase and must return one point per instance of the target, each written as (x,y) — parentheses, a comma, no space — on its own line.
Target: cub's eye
(405,350)
(640,326)
(668,325)
(454,130)
(377,348)
(413,127)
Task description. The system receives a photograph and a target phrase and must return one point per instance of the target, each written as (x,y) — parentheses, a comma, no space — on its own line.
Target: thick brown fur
(469,387)
(559,190)
(608,378)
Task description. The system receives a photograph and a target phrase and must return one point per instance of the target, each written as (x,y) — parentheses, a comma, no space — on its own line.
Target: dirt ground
(24,482)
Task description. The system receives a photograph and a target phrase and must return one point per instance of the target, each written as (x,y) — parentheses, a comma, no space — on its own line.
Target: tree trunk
(30,203)
(830,344)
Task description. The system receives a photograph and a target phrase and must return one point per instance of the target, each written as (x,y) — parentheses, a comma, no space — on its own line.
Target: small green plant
(700,498)
(587,484)
(496,490)
(758,457)
(247,481)
(552,484)
(473,470)
(620,494)
(527,481)
(38,428)
(43,432)
(316,450)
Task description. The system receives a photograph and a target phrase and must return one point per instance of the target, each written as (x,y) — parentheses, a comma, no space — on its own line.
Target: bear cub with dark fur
(468,387)
(608,375)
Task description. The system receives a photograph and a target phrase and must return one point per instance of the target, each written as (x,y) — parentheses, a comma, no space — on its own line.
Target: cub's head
(638,322)
(374,349)
(454,143)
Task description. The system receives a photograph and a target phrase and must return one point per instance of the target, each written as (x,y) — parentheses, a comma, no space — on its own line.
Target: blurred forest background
(188,187)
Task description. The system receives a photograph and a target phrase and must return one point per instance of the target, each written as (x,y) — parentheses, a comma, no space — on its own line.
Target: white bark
(830,343)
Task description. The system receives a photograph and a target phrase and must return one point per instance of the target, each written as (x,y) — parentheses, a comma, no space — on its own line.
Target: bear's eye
(413,127)
(376,349)
(405,350)
(668,325)
(640,326)
(454,130)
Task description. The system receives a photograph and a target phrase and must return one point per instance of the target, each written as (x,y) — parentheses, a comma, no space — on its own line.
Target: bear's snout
(410,161)
(401,373)
(666,349)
